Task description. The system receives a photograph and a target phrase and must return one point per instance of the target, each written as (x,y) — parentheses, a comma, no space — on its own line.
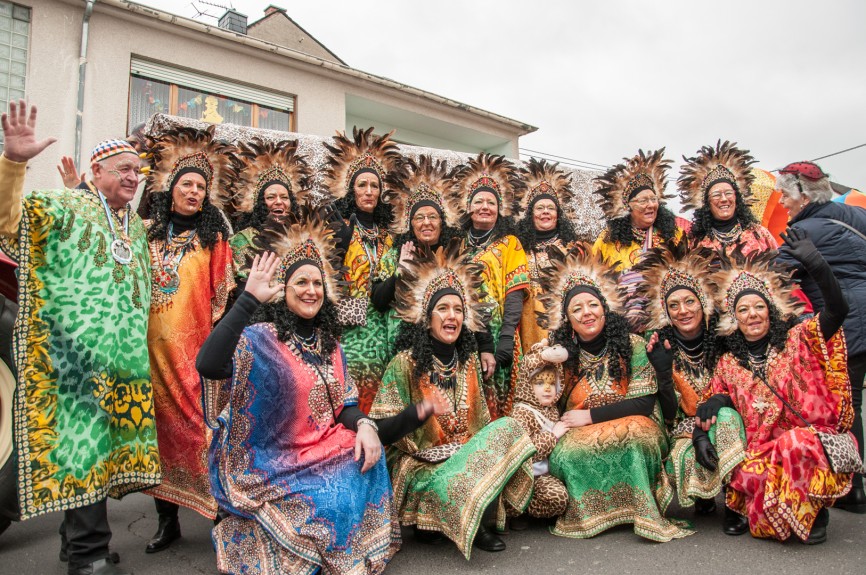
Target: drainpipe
(82,69)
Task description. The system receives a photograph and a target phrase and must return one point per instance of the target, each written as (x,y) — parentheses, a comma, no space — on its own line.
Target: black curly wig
(738,347)
(286,322)
(712,344)
(620,229)
(702,221)
(382,213)
(525,231)
(417,339)
(260,213)
(617,335)
(211,228)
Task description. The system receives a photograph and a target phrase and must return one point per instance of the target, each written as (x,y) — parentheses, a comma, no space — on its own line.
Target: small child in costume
(539,386)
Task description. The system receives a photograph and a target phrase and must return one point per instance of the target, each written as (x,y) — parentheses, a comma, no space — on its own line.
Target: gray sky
(600,79)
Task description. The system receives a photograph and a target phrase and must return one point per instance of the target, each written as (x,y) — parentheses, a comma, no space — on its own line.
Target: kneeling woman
(611,458)
(453,467)
(288,436)
(785,484)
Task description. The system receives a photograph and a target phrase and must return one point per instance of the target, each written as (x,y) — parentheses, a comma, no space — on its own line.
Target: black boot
(167,531)
(734,523)
(705,506)
(854,502)
(818,534)
(101,567)
(428,537)
(487,540)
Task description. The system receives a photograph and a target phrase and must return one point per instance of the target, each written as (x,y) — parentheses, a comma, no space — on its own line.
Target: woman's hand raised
(261,273)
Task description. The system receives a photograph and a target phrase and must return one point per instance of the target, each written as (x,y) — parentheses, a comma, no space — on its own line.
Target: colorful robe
(388,267)
(785,478)
(365,345)
(179,325)
(83,411)
(691,479)
(537,260)
(243,249)
(752,240)
(449,470)
(624,258)
(286,472)
(613,469)
(505,271)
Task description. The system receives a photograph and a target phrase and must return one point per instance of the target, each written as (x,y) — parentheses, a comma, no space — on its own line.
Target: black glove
(705,452)
(710,408)
(662,360)
(798,244)
(504,351)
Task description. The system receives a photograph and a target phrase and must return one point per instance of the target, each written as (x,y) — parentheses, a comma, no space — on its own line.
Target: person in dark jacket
(838,232)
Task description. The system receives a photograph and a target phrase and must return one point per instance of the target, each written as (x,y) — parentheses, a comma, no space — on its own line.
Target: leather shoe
(4,524)
(734,524)
(428,537)
(519,523)
(167,531)
(854,502)
(489,541)
(114,556)
(705,506)
(101,567)
(818,534)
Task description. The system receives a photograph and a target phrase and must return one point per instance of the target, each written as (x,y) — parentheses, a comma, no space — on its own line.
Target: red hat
(808,170)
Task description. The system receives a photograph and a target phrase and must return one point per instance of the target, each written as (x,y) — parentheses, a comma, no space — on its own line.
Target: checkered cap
(108,148)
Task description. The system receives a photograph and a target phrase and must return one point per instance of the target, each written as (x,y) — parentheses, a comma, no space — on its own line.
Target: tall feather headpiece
(577,267)
(263,162)
(307,236)
(543,178)
(665,268)
(414,182)
(757,272)
(724,162)
(182,148)
(364,151)
(447,267)
(488,173)
(643,171)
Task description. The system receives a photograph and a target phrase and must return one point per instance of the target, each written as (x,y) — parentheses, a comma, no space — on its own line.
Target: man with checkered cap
(84,425)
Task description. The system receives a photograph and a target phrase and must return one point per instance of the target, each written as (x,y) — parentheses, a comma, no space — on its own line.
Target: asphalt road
(31,548)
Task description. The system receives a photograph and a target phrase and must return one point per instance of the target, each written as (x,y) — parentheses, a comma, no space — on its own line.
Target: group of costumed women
(453,316)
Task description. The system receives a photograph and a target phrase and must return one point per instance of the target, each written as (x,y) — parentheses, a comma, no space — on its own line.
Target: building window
(155,88)
(14,45)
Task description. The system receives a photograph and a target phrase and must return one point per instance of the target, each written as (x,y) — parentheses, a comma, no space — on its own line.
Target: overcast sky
(600,79)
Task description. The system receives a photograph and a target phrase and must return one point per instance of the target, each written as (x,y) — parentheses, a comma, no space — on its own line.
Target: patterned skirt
(367,354)
(613,473)
(450,497)
(694,481)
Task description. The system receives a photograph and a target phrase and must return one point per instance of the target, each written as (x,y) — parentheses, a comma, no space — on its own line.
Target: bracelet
(367,421)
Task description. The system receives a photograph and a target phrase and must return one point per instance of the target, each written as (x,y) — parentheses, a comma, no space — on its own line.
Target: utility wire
(837,153)
(572,160)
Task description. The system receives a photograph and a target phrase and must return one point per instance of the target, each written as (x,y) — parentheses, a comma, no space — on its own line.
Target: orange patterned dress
(180,322)
(785,478)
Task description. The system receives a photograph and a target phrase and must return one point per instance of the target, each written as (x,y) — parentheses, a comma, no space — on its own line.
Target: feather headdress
(307,236)
(664,269)
(263,162)
(722,163)
(364,151)
(530,366)
(487,173)
(757,272)
(183,148)
(542,178)
(414,182)
(645,171)
(577,267)
(429,272)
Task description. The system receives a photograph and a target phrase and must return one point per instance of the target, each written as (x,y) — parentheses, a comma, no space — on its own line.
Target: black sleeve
(835,305)
(484,341)
(214,360)
(637,406)
(512,312)
(383,292)
(668,400)
(343,235)
(390,429)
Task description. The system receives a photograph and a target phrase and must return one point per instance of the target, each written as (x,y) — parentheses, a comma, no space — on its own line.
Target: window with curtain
(14,45)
